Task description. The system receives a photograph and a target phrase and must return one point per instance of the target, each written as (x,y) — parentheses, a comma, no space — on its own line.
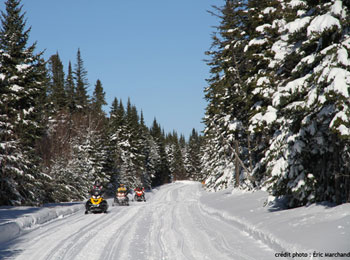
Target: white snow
(263,80)
(343,56)
(269,116)
(262,28)
(16,88)
(178,221)
(22,67)
(340,81)
(279,167)
(257,41)
(337,9)
(296,3)
(280,48)
(269,10)
(16,220)
(322,23)
(291,87)
(297,24)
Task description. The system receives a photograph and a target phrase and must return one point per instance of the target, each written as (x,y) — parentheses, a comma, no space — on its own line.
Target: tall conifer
(80,76)
(57,94)
(23,88)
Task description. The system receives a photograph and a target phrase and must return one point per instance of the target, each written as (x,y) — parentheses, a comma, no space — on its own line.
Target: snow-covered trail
(169,226)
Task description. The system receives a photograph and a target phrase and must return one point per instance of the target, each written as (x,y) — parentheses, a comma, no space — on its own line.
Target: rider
(97,186)
(122,188)
(139,188)
(142,190)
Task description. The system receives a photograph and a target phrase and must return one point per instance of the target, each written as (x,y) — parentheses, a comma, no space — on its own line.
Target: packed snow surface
(179,221)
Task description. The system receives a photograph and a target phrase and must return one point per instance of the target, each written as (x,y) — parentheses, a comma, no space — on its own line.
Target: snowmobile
(121,199)
(139,195)
(96,203)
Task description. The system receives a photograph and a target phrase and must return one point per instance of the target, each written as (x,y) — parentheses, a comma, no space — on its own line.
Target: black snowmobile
(96,204)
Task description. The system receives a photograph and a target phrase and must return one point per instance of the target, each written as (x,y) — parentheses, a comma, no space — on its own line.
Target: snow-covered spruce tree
(70,89)
(228,104)
(115,131)
(175,157)
(13,162)
(132,167)
(149,159)
(98,100)
(193,156)
(152,160)
(88,157)
(56,90)
(23,80)
(127,143)
(263,23)
(308,157)
(81,83)
(162,172)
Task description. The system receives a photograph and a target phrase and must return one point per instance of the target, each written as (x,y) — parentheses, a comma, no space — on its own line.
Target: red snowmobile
(140,194)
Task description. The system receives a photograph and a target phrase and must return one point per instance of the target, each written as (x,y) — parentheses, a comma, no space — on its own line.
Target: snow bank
(16,220)
(312,232)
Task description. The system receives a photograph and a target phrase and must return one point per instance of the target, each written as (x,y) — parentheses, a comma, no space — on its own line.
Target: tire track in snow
(262,240)
(70,247)
(49,228)
(49,233)
(199,243)
(96,245)
(212,228)
(172,225)
(169,242)
(118,246)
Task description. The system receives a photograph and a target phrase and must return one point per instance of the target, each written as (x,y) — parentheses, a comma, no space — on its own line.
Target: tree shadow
(282,204)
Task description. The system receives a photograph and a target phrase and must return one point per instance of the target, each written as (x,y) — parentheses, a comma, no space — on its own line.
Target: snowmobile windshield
(96,193)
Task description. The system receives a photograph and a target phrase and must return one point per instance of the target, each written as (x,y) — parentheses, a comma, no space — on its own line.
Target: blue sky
(151,51)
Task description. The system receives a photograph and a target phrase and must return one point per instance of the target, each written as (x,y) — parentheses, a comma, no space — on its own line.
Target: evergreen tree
(150,154)
(162,172)
(98,99)
(307,161)
(227,96)
(284,88)
(193,157)
(175,157)
(70,89)
(80,74)
(57,94)
(23,81)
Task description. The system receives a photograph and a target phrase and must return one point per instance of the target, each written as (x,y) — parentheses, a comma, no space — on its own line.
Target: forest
(277,115)
(278,100)
(56,139)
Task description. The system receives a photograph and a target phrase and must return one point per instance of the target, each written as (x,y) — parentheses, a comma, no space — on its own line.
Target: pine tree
(150,154)
(162,172)
(98,99)
(193,156)
(23,90)
(70,89)
(117,139)
(56,89)
(307,161)
(80,74)
(175,157)
(226,114)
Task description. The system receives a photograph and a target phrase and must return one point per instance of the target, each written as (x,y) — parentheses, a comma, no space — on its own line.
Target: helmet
(97,183)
